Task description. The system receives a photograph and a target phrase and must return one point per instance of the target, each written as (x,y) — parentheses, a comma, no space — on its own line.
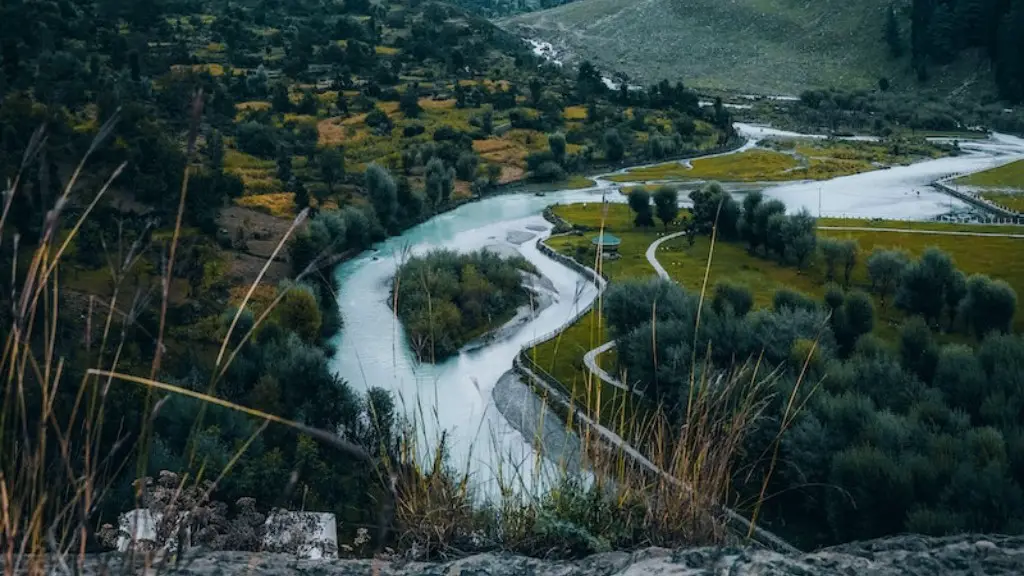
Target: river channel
(491,429)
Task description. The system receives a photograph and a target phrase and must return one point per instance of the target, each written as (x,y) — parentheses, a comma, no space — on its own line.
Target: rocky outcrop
(902,555)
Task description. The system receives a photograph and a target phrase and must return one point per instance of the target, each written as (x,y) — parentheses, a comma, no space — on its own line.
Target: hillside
(249,147)
(761,46)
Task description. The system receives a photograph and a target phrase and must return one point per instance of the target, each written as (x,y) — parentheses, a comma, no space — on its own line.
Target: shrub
(257,139)
(549,172)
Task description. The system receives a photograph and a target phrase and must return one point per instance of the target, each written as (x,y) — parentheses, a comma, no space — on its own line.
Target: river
(459,394)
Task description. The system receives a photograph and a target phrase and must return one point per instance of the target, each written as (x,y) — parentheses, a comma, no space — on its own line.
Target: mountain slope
(766,46)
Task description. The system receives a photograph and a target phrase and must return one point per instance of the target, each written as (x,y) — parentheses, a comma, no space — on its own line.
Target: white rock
(308,535)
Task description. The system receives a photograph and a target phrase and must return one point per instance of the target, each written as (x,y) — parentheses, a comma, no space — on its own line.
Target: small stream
(490,419)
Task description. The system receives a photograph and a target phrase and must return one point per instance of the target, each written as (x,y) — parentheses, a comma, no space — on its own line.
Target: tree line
(940,30)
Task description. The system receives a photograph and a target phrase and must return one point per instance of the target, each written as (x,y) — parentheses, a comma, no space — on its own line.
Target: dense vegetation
(372,116)
(916,433)
(889,114)
(940,30)
(446,299)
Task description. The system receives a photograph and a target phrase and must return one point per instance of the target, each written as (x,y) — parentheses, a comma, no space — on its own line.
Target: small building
(606,243)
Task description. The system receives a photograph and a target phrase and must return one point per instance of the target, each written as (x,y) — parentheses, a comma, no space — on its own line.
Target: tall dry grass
(53,475)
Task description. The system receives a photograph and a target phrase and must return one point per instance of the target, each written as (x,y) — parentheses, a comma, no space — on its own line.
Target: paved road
(652,253)
(902,230)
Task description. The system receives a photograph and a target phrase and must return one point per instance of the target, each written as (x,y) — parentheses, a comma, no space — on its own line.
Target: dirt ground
(262,233)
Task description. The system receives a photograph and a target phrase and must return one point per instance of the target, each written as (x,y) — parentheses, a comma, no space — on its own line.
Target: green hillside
(764,46)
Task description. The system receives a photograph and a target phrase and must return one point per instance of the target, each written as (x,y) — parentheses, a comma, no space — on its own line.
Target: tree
(714,207)
(493,173)
(989,305)
(409,103)
(215,151)
(918,351)
(923,285)
(308,105)
(801,237)
(341,103)
(301,195)
(745,225)
(885,268)
(556,142)
(135,65)
(284,164)
(666,204)
(959,375)
(439,181)
(465,167)
(331,163)
(299,312)
(788,299)
(763,213)
(548,172)
(614,148)
(257,139)
(630,304)
(640,204)
(382,191)
(536,89)
(279,99)
(892,34)
(487,122)
(858,318)
(956,289)
(848,259)
(831,252)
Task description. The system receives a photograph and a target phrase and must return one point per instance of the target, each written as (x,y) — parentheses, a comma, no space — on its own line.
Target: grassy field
(1003,185)
(686,265)
(1009,200)
(808,163)
(911,225)
(1007,176)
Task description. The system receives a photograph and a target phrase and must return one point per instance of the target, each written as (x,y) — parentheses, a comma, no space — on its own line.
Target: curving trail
(590,358)
(652,253)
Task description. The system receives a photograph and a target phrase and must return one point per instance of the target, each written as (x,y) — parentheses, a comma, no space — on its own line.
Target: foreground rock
(914,555)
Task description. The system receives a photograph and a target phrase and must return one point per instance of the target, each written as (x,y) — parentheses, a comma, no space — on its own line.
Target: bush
(735,298)
(379,121)
(414,129)
(257,139)
(989,306)
(787,299)
(549,172)
(873,495)
(465,168)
